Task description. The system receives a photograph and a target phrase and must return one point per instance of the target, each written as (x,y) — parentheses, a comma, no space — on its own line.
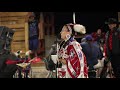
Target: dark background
(91,20)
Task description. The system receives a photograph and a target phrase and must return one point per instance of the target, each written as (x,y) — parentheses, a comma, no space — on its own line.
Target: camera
(6,35)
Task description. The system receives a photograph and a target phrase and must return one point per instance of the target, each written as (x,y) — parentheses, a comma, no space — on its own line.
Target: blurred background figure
(92,53)
(33,34)
(7,70)
(112,45)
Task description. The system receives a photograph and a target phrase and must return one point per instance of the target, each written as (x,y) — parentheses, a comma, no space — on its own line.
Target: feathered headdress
(76,27)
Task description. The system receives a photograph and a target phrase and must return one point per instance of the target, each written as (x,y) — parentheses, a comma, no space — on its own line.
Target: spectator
(92,53)
(33,34)
(112,45)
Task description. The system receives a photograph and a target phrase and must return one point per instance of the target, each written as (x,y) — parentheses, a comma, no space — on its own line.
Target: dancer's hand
(63,61)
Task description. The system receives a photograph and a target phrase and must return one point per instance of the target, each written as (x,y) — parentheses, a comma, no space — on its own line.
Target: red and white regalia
(76,65)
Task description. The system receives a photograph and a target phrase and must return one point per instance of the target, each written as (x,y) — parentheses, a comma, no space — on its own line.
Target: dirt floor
(38,70)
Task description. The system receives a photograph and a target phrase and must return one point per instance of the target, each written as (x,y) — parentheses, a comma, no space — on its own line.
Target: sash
(75,63)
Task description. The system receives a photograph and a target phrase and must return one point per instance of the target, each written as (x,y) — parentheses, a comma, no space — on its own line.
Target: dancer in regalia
(70,53)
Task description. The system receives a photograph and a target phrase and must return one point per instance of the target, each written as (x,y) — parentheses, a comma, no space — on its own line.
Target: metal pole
(57,60)
(74,18)
(74,21)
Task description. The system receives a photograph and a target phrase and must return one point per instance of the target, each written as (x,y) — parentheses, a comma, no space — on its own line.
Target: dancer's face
(64,32)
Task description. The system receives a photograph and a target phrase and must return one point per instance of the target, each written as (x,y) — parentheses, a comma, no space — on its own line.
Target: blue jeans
(33,44)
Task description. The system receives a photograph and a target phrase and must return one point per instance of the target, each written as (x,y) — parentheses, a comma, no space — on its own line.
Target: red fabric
(75,58)
(15,61)
(61,73)
(21,61)
(95,36)
(110,41)
(11,62)
(36,60)
(109,44)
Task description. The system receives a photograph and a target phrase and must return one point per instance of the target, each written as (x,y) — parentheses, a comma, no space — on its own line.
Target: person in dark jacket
(92,53)
(6,70)
(112,45)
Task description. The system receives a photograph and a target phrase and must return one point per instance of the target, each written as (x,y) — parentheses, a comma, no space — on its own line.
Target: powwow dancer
(70,53)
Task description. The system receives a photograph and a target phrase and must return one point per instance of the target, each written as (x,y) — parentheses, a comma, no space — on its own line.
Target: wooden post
(41,34)
(26,37)
(41,26)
